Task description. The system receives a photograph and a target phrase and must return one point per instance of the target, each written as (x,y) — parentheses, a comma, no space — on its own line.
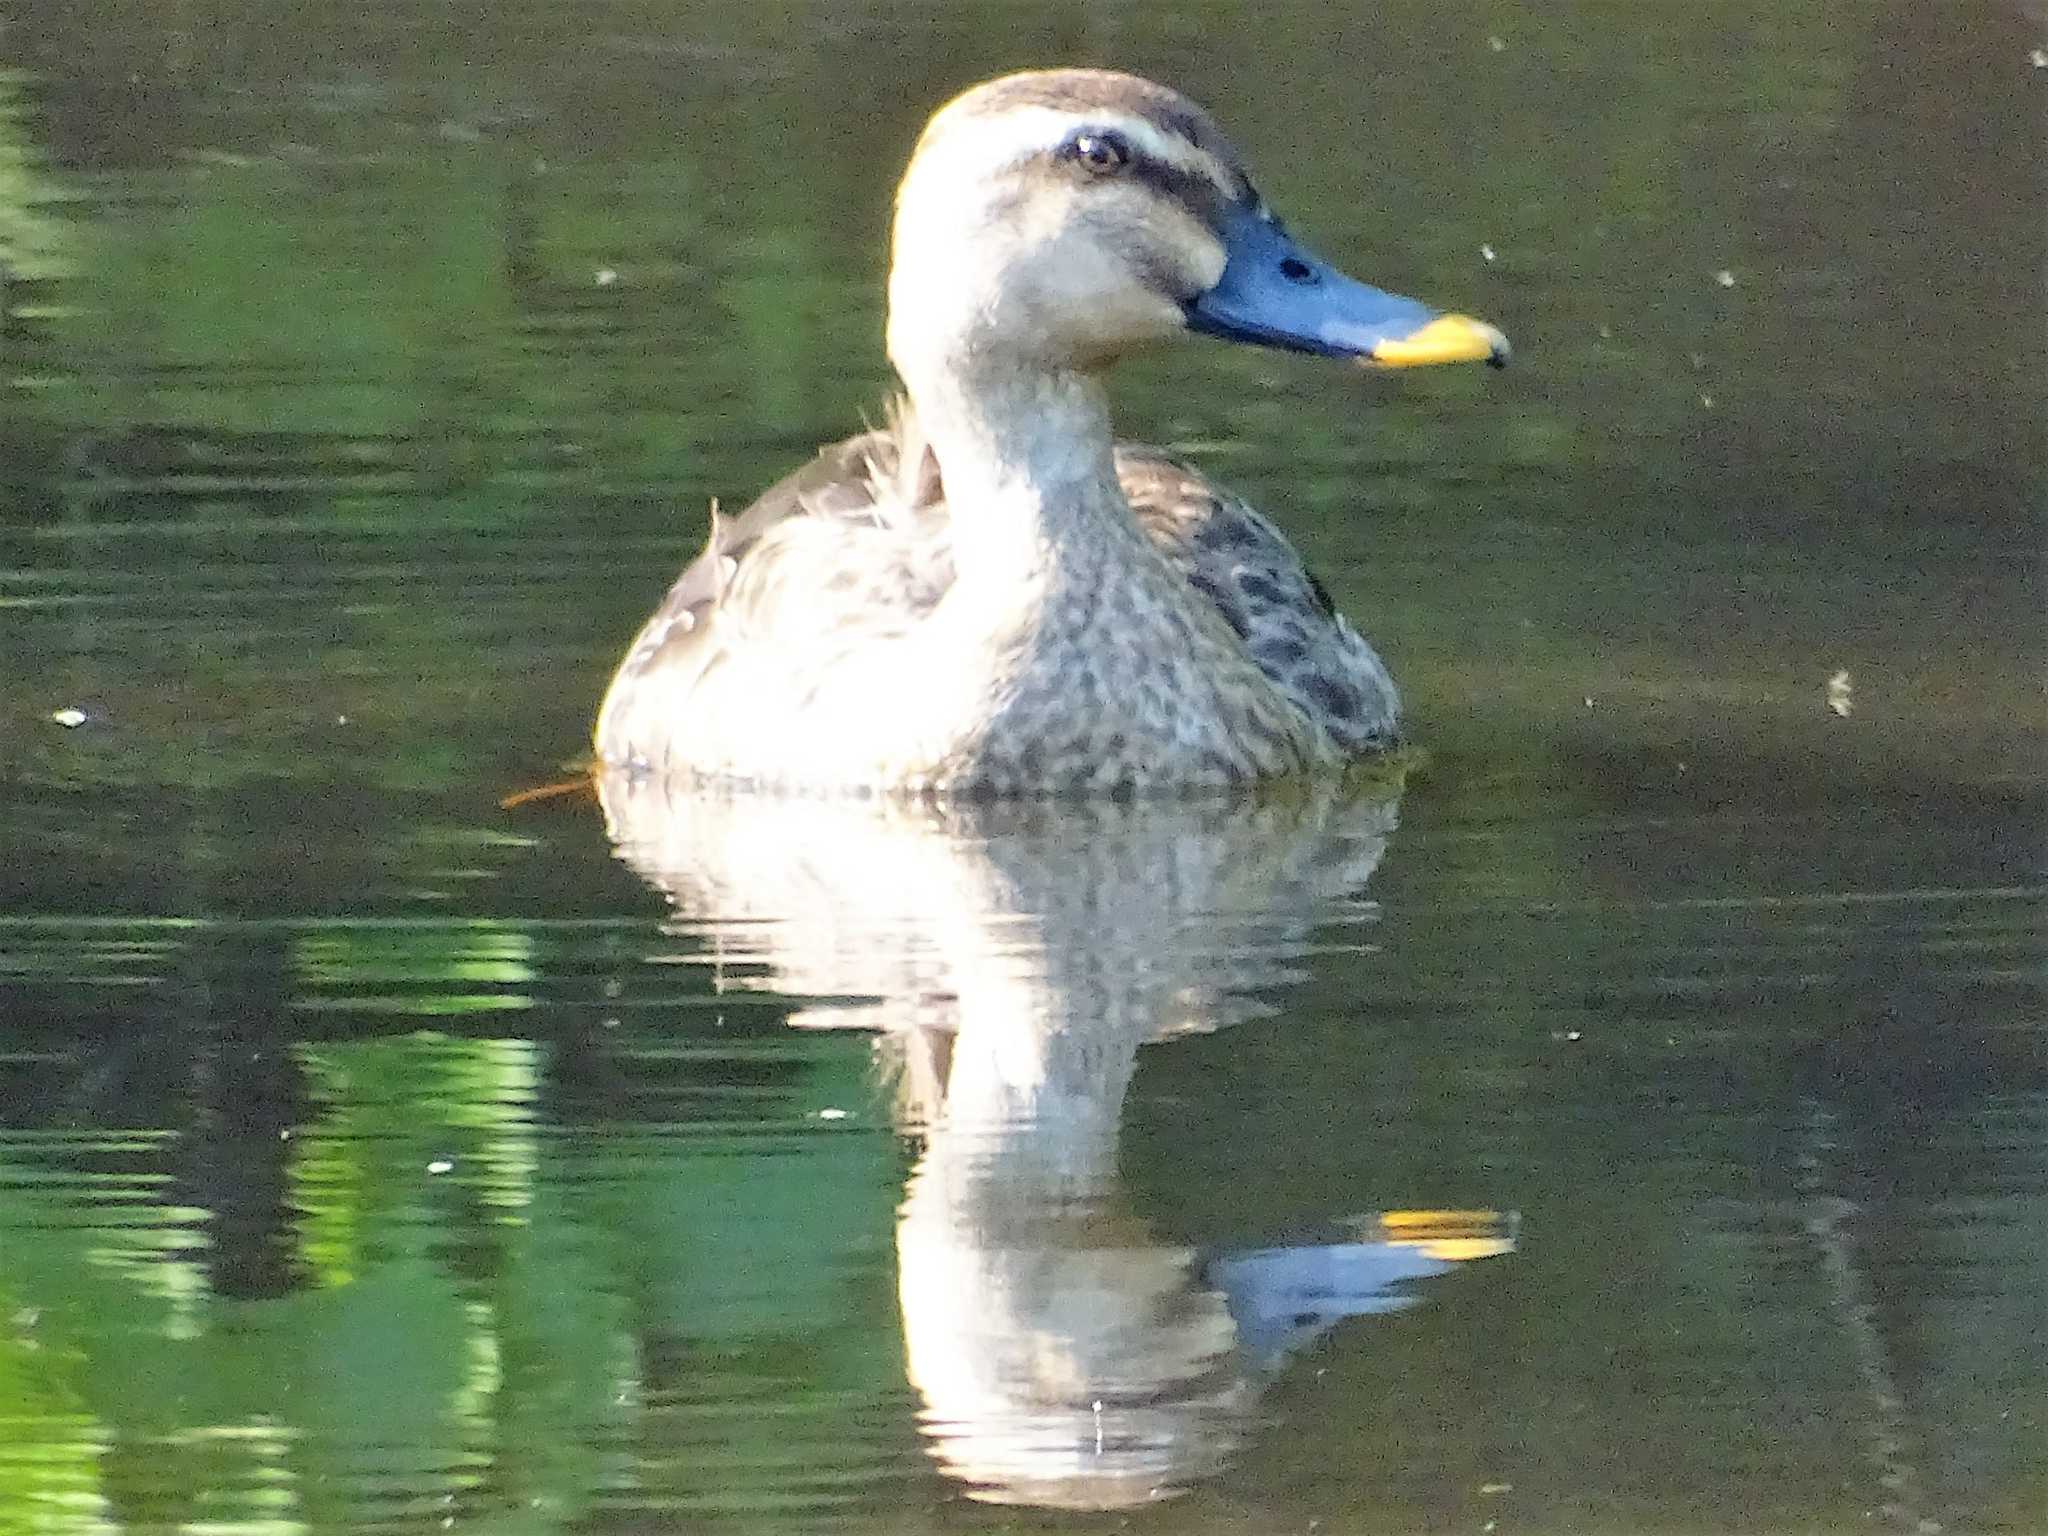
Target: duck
(989,595)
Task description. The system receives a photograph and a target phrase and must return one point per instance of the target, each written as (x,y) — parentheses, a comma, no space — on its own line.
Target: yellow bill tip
(1446,339)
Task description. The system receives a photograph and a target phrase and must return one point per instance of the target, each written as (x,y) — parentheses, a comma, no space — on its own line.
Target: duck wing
(854,547)
(1258,582)
(849,548)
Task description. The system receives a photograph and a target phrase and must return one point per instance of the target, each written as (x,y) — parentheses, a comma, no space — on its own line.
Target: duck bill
(1275,292)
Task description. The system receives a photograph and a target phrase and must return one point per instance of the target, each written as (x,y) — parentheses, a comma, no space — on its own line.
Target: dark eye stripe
(1198,193)
(1099,152)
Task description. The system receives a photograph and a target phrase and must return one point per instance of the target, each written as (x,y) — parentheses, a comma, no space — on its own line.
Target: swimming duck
(991,595)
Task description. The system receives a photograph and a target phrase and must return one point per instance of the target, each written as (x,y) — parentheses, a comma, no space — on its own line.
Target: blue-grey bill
(1275,292)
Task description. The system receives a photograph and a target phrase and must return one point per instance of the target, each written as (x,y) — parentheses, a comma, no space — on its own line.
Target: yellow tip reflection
(1452,1236)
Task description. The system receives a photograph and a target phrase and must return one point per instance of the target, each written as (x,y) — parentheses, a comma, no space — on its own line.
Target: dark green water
(1636,1122)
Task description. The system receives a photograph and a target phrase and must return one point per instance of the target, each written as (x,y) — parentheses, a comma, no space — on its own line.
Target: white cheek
(1208,261)
(1094,312)
(1070,270)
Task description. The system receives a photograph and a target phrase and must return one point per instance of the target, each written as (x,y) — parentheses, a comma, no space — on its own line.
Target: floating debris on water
(1486,253)
(1499,44)
(1725,278)
(70,718)
(604,277)
(1839,691)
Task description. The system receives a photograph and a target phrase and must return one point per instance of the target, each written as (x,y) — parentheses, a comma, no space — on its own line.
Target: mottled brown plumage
(894,528)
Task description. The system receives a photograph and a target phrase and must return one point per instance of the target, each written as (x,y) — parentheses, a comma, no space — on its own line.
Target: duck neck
(1029,468)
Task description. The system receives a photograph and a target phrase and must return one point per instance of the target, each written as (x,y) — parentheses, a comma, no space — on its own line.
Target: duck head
(1057,219)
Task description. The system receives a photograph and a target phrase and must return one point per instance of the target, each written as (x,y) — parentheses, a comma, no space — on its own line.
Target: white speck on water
(606,276)
(341,719)
(1840,691)
(2038,58)
(1486,253)
(1497,43)
(1589,701)
(440,1165)
(1707,401)
(1607,333)
(70,719)
(831,1114)
(1725,278)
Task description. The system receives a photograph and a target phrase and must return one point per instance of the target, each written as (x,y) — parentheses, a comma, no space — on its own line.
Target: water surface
(1634,1118)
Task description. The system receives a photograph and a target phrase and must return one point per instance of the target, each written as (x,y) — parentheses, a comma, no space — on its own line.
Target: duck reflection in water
(1020,954)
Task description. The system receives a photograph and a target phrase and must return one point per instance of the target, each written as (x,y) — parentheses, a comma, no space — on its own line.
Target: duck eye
(1103,151)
